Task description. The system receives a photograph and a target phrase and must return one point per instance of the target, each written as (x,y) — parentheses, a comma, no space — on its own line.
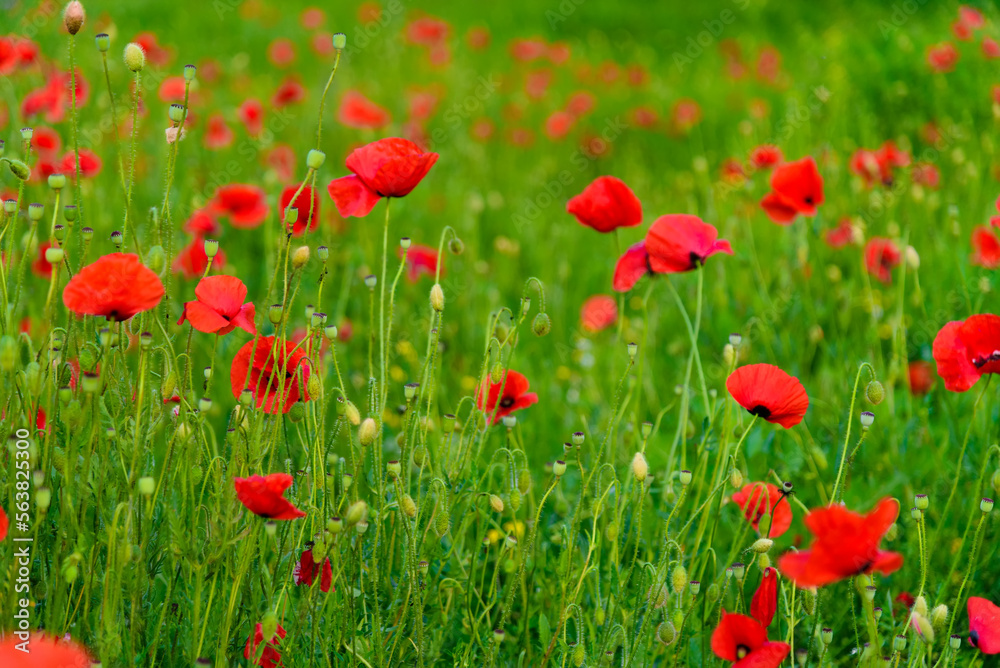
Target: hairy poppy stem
(74,118)
(114,120)
(850,422)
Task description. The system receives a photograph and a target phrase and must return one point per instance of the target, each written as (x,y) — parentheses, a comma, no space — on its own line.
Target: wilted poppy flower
(768,392)
(742,640)
(44,651)
(219,307)
(942,57)
(357,111)
(270,658)
(772,508)
(765,156)
(307,205)
(420,261)
(389,167)
(764,603)
(796,188)
(606,204)
(192,260)
(984,625)
(881,257)
(509,395)
(245,205)
(846,544)
(273,375)
(264,496)
(921,377)
(307,569)
(116,286)
(985,248)
(679,242)
(251,114)
(218,135)
(631,266)
(290,91)
(599,312)
(965,350)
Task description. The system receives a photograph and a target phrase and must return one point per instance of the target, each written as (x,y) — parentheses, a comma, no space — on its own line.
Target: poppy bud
(736,478)
(269,625)
(57,181)
(367,431)
(347,481)
(921,501)
(73,17)
(442,523)
(559,468)
(542,324)
(300,257)
(211,248)
(296,412)
(515,499)
(685,478)
(146,485)
(666,633)
(437,297)
(408,506)
(496,503)
(18,169)
(729,355)
(633,350)
(875,393)
(762,545)
(763,561)
(315,159)
(53,255)
(939,615)
(893,531)
(135,57)
(352,413)
(246,397)
(456,246)
(371,280)
(867,419)
(611,531)
(339,41)
(103,42)
(356,512)
(986,505)
(640,468)
(393,467)
(679,579)
(924,626)
(43,497)
(920,606)
(314,386)
(176,112)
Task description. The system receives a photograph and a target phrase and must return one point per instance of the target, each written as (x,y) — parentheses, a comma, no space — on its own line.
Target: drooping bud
(542,324)
(18,169)
(679,579)
(408,506)
(496,503)
(875,392)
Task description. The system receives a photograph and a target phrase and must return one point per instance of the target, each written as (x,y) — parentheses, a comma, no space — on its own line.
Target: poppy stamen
(982,360)
(974,638)
(761,411)
(742,651)
(507,402)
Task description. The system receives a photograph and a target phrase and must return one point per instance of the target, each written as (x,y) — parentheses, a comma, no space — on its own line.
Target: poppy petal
(352,197)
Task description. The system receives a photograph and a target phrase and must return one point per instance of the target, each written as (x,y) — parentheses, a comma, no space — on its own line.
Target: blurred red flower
(985,248)
(218,307)
(90,164)
(965,350)
(116,286)
(558,125)
(45,141)
(307,204)
(218,134)
(509,395)
(921,377)
(270,658)
(264,496)
(984,625)
(244,205)
(606,204)
(277,376)
(4,524)
(757,506)
(155,54)
(281,52)
(764,603)
(420,261)
(251,114)
(742,640)
(289,91)
(192,260)
(765,156)
(598,312)
(796,188)
(41,267)
(357,111)
(840,236)
(389,167)
(846,544)
(45,651)
(766,391)
(942,57)
(881,257)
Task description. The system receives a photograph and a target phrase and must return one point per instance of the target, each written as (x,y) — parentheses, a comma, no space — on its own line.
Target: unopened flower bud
(408,506)
(135,57)
(939,615)
(736,478)
(146,485)
(542,324)
(875,392)
(352,413)
(496,503)
(315,159)
(640,468)
(679,578)
(437,297)
(356,512)
(73,17)
(762,545)
(300,257)
(367,431)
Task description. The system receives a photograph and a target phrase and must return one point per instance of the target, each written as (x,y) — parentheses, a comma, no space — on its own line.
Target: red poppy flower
(290,91)
(41,267)
(251,114)
(45,140)
(644,116)
(273,376)
(526,50)
(219,307)
(478,38)
(537,83)
(264,496)
(599,312)
(926,174)
(4,524)
(764,603)
(312,18)
(357,111)
(218,135)
(756,507)
(769,64)
(90,164)
(420,261)
(55,97)
(281,52)
(985,248)
(840,236)
(307,204)
(509,395)
(606,204)
(192,260)
(307,569)
(742,640)
(881,257)
(921,377)
(44,651)
(244,205)
(201,222)
(155,54)
(386,168)
(846,544)
(942,57)
(558,125)
(172,89)
(991,49)
(282,160)
(768,392)
(732,171)
(631,266)
(906,598)
(765,156)
(679,242)
(684,115)
(965,350)
(984,625)
(116,286)
(270,658)
(427,31)
(796,188)
(581,103)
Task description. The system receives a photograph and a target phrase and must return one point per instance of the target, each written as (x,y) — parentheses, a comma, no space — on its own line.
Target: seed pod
(19,169)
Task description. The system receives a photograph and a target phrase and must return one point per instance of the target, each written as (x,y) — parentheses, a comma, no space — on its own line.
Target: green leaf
(544,631)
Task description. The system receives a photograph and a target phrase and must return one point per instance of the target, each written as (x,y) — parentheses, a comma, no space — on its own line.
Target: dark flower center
(760,411)
(809,199)
(695,259)
(974,638)
(742,651)
(506,402)
(864,568)
(982,360)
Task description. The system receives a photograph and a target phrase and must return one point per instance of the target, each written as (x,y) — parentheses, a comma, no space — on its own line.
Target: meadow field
(570,333)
